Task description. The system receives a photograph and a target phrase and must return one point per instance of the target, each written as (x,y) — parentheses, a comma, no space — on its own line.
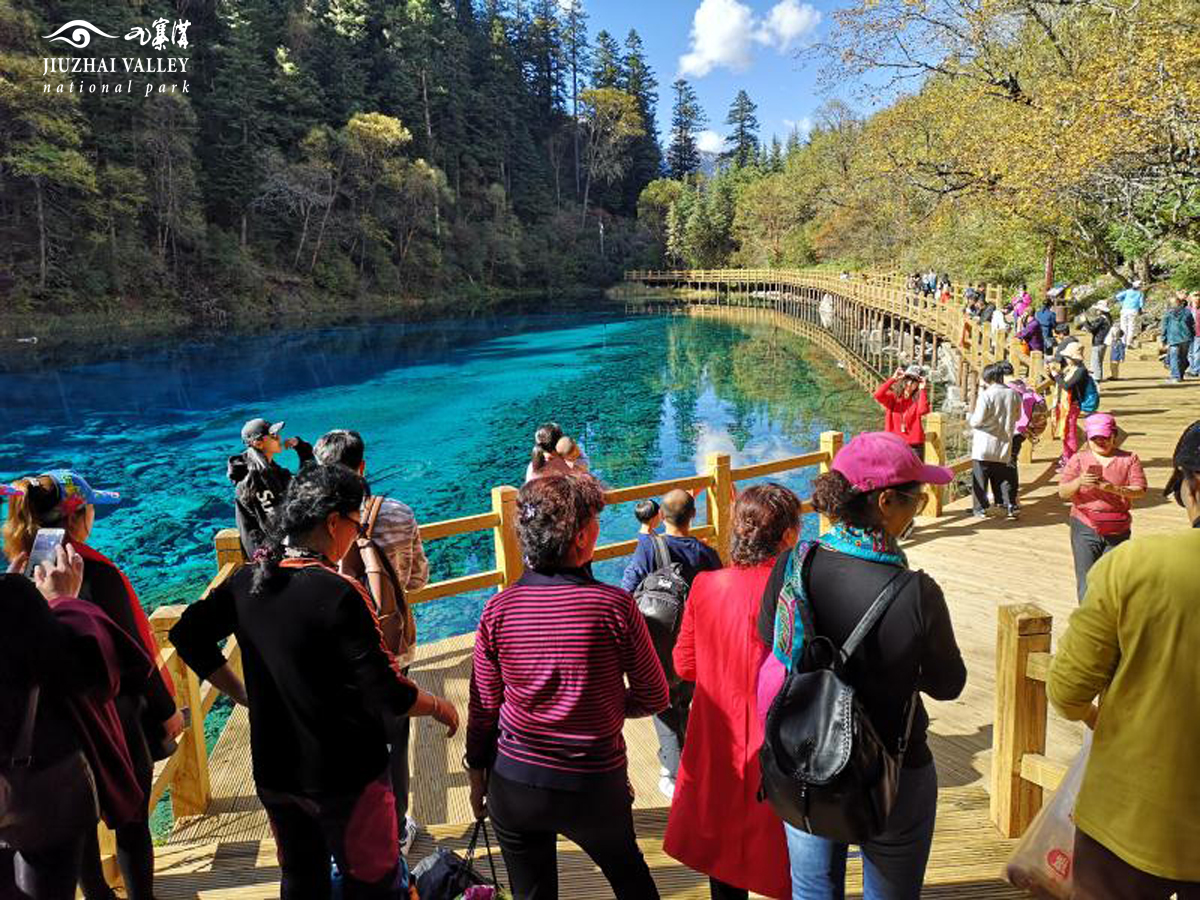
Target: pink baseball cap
(878,459)
(1100,425)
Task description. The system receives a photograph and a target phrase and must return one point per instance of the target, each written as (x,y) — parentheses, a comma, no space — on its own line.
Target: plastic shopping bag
(1042,864)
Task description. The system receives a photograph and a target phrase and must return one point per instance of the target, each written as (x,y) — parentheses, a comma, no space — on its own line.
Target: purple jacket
(1031,333)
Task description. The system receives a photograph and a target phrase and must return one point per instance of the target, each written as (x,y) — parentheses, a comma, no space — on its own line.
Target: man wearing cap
(1178,329)
(1132,300)
(1098,323)
(1083,396)
(1134,642)
(261,482)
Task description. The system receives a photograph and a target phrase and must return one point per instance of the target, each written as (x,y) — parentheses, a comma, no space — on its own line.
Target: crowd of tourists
(722,653)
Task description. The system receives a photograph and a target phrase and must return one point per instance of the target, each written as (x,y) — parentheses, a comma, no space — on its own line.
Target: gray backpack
(660,599)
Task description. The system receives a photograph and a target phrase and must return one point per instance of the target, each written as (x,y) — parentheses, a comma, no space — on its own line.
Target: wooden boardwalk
(980,565)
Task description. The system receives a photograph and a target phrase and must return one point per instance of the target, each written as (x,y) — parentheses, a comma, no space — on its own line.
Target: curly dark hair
(551,511)
(314,493)
(760,517)
(835,497)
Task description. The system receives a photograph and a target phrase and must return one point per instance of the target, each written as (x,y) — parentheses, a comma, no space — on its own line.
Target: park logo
(160,35)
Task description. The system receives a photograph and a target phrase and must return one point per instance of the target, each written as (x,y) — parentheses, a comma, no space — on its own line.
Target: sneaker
(664,772)
(1014,513)
(979,514)
(666,787)
(410,835)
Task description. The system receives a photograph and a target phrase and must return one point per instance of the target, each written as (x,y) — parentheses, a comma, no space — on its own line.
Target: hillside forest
(348,149)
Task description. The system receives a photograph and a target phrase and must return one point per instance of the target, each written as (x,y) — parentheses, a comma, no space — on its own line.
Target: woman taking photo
(323,693)
(545,459)
(260,482)
(872,496)
(150,723)
(717,825)
(906,401)
(545,751)
(1101,482)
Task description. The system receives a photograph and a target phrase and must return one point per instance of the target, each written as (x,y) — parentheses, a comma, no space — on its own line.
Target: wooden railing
(1020,769)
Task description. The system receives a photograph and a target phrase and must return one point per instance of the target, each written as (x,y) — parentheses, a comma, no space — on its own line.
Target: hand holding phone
(45,541)
(63,577)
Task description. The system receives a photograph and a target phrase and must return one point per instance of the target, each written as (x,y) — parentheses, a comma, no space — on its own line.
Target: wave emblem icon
(80,36)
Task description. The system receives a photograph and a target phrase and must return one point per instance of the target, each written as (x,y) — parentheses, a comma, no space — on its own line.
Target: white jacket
(993,423)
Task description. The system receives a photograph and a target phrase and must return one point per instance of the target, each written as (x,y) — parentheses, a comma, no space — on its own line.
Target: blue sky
(721,46)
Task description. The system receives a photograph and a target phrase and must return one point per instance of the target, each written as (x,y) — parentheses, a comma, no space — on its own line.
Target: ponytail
(545,439)
(38,506)
(538,460)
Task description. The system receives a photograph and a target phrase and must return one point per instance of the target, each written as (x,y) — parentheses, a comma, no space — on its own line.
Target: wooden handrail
(1020,768)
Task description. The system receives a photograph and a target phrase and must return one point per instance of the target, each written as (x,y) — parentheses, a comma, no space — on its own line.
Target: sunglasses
(921,499)
(359,527)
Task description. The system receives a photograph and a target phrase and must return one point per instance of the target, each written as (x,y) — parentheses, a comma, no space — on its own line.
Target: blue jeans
(1194,357)
(893,863)
(1177,359)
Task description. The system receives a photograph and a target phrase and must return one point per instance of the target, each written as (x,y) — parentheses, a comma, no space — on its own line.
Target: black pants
(1015,474)
(1102,875)
(398,740)
(671,727)
(996,475)
(135,850)
(719,890)
(529,820)
(49,874)
(1086,547)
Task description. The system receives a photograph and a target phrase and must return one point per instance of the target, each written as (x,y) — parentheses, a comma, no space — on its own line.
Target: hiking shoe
(1014,513)
(410,835)
(666,787)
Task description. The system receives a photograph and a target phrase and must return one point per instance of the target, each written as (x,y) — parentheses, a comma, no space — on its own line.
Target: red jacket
(717,824)
(903,413)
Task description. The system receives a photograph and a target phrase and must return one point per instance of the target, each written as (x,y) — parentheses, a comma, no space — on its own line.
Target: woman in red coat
(905,406)
(717,825)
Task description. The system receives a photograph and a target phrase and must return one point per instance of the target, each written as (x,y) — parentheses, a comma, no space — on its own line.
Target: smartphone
(1097,470)
(45,542)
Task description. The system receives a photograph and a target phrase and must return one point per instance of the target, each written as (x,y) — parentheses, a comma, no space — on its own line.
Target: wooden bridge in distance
(995,747)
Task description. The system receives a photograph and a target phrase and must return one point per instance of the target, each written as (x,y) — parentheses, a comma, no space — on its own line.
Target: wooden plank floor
(980,565)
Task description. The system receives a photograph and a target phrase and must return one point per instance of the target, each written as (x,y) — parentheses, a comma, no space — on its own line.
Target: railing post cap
(1026,618)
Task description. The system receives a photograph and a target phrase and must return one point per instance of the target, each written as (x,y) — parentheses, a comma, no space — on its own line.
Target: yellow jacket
(1136,638)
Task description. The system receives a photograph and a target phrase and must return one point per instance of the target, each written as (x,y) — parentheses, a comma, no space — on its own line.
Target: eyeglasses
(359,527)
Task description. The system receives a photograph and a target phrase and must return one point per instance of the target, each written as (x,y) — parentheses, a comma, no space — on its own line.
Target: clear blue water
(448,409)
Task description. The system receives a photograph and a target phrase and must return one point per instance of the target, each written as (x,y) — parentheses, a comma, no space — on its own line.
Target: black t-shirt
(911,648)
(317,678)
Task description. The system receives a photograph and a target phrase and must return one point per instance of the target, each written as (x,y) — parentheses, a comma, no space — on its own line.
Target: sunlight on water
(447,410)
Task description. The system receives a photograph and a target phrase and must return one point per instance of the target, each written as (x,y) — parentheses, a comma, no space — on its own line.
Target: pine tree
(606,62)
(646,162)
(775,162)
(683,156)
(742,142)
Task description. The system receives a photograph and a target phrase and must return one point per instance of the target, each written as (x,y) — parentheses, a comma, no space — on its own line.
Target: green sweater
(1136,639)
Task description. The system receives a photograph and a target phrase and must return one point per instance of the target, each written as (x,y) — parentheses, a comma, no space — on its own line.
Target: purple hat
(878,459)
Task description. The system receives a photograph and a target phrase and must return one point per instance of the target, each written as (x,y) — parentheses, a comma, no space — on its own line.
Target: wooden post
(1019,726)
(191,789)
(831,443)
(508,547)
(720,502)
(108,855)
(935,454)
(229,547)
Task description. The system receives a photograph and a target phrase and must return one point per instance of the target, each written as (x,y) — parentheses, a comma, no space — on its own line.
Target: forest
(333,150)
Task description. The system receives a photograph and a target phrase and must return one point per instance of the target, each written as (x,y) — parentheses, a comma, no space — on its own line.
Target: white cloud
(725,32)
(722,35)
(803,125)
(788,22)
(709,141)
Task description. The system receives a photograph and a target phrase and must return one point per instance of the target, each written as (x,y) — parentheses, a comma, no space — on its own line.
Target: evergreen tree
(742,142)
(578,58)
(775,162)
(606,62)
(646,156)
(683,156)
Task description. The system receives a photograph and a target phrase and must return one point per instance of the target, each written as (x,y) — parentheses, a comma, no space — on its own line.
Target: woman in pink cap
(873,494)
(1101,482)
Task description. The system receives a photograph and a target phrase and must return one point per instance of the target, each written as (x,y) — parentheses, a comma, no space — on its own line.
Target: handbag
(825,769)
(444,875)
(42,808)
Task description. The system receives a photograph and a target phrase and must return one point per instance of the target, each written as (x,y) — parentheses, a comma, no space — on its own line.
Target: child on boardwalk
(1116,352)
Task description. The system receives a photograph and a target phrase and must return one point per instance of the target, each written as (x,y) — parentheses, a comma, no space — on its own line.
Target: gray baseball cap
(256,429)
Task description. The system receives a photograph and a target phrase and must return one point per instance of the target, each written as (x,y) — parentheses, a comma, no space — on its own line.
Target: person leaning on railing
(322,690)
(1135,642)
(545,750)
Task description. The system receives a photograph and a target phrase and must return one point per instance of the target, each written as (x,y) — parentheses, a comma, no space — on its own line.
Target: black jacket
(257,493)
(911,648)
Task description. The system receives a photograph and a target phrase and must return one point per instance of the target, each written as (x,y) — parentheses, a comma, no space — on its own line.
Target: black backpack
(660,598)
(825,770)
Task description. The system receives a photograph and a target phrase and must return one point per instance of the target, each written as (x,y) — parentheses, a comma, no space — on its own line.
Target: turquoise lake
(447,411)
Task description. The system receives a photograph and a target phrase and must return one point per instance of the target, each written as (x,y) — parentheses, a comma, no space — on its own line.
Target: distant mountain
(708,163)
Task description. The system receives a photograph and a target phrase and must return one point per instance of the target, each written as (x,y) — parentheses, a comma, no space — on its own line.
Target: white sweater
(993,423)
